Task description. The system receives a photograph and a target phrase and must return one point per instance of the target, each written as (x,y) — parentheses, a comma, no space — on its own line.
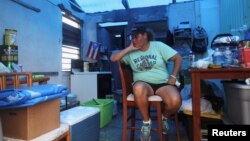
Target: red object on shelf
(244,57)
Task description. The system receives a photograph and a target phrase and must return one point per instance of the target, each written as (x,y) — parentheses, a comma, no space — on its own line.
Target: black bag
(208,93)
(200,40)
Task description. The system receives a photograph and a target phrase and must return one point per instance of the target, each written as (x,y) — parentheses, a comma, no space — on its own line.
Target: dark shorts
(154,86)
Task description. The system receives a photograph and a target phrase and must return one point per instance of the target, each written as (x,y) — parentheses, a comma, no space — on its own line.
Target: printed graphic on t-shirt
(145,62)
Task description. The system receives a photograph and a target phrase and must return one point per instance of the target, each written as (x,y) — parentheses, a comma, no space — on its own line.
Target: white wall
(209,17)
(90,31)
(181,12)
(39,37)
(203,13)
(38,34)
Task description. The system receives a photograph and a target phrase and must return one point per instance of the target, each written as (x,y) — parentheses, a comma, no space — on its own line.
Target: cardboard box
(30,122)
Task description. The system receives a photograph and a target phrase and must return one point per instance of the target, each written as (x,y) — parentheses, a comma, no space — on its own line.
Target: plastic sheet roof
(95,6)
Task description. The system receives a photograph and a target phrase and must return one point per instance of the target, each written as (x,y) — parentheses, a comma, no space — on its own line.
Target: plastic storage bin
(84,123)
(106,109)
(238,102)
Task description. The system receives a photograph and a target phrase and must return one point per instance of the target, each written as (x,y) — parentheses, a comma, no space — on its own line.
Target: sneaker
(145,132)
(165,126)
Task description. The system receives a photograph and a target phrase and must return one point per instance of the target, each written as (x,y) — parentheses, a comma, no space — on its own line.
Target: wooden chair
(129,104)
(15,79)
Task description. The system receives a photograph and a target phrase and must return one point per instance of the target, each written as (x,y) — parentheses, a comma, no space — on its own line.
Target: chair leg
(177,127)
(125,124)
(132,131)
(159,119)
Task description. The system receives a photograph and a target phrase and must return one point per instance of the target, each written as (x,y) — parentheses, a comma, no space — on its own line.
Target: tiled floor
(113,131)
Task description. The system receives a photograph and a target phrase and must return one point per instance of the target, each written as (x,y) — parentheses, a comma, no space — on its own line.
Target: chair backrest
(15,80)
(126,75)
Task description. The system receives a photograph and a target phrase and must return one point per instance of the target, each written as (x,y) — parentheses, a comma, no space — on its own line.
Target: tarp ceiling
(95,6)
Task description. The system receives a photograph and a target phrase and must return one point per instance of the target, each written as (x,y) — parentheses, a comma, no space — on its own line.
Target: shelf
(182,36)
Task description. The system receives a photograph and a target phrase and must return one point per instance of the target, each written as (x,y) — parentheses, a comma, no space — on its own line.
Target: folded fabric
(20,96)
(35,101)
(44,90)
(12,97)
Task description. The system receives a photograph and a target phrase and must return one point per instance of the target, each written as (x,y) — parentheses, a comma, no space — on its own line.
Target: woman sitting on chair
(148,60)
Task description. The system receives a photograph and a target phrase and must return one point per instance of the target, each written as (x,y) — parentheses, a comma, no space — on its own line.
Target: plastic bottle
(228,57)
(235,57)
(9,58)
(191,58)
(247,81)
(217,57)
(9,64)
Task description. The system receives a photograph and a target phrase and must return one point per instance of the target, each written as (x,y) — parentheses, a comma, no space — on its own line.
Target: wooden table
(200,74)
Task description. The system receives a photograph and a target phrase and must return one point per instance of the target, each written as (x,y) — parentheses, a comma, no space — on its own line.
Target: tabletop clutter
(226,51)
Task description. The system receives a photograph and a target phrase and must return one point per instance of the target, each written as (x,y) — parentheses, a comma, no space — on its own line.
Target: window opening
(71,44)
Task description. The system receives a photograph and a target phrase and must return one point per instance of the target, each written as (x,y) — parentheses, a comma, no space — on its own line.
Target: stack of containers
(227,57)
(227,45)
(218,57)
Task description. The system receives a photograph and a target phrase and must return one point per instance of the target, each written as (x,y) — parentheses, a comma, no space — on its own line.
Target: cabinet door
(84,86)
(104,85)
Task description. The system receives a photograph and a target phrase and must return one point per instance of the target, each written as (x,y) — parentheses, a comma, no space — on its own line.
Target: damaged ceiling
(96,6)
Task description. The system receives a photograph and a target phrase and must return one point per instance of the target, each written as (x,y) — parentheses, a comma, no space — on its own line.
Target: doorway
(113,36)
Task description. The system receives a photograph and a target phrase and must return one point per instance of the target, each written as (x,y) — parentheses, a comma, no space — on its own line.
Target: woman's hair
(150,35)
(142,30)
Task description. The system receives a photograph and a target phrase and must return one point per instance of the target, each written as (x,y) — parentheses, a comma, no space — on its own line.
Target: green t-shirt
(150,66)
